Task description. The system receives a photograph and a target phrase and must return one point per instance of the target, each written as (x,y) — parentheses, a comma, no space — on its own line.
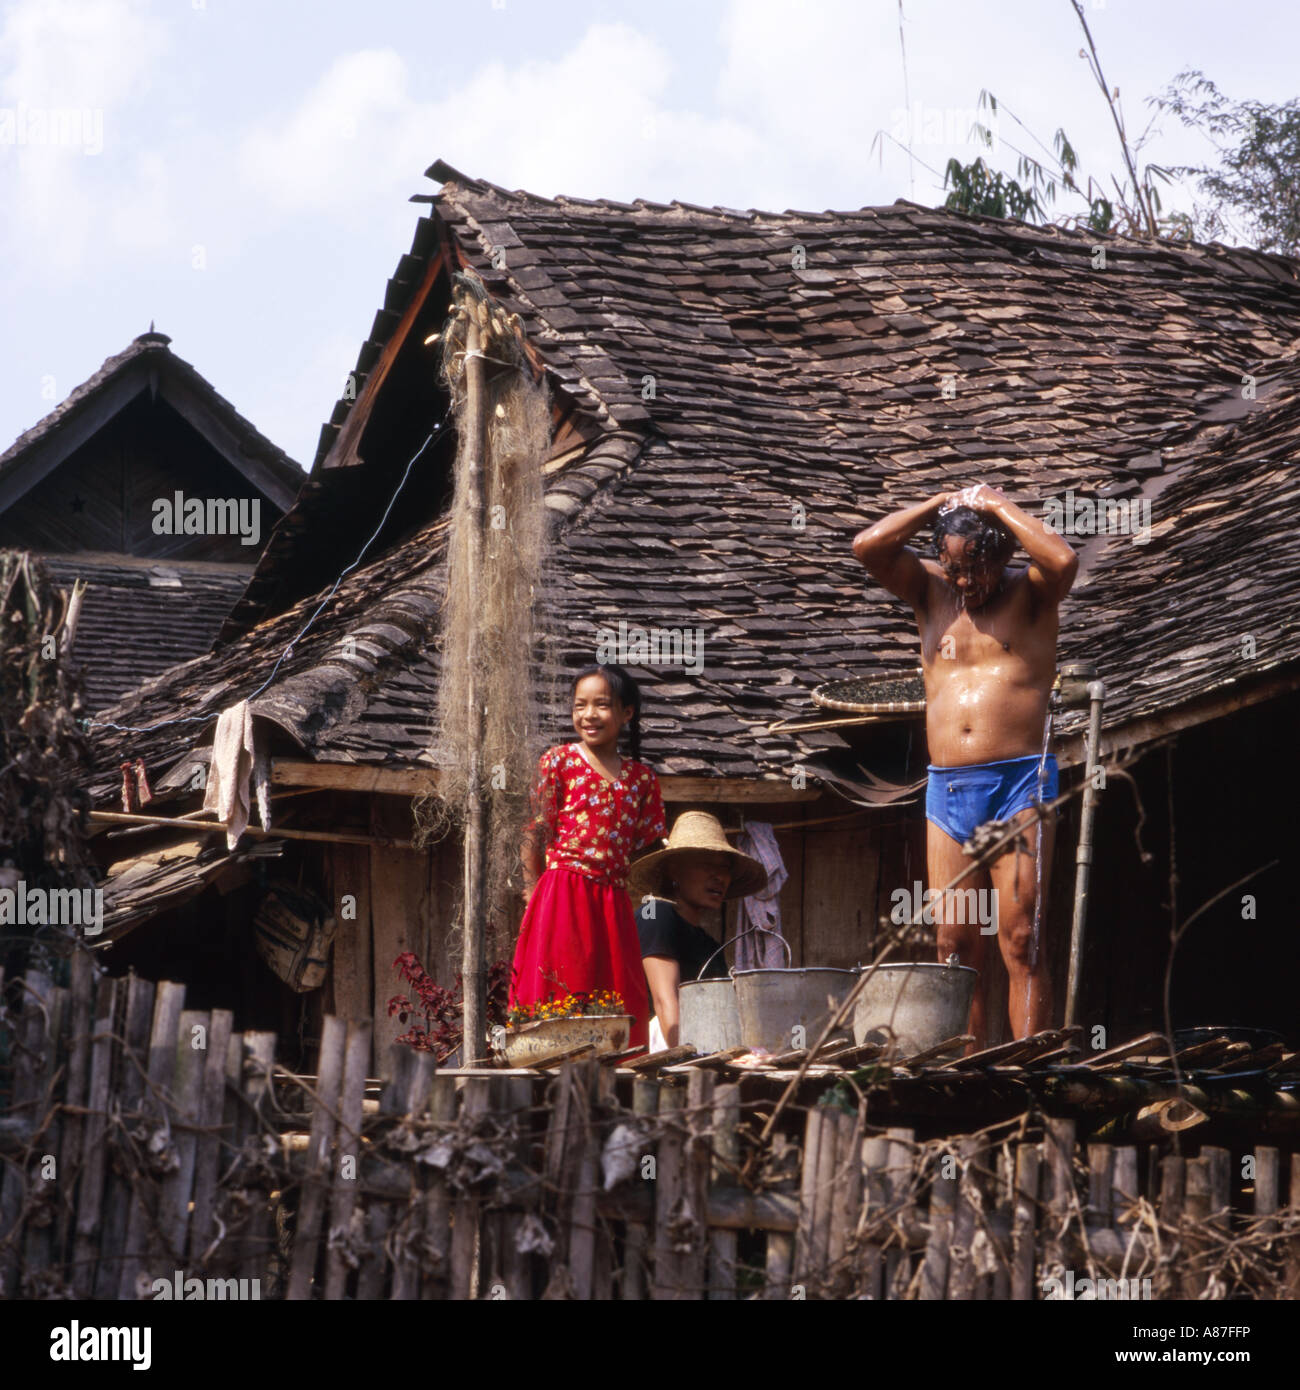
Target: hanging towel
(233,761)
(762,949)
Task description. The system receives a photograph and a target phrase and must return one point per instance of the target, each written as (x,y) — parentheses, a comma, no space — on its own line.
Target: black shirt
(669,934)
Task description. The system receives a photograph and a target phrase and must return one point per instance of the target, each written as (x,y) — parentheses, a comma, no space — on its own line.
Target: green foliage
(1257,177)
(1032,195)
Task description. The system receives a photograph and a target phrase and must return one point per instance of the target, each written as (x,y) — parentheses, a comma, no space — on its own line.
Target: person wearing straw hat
(696,873)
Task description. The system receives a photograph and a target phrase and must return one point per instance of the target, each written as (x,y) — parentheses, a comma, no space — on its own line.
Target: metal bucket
(708,1018)
(773,1003)
(924,1003)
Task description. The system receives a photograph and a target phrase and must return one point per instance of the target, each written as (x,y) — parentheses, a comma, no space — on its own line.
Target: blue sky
(242,170)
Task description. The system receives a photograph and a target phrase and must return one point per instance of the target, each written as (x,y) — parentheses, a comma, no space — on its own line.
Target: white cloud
(592,122)
(84,53)
(70,70)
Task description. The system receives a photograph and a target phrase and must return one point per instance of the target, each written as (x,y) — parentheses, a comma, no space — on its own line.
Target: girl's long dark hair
(625,690)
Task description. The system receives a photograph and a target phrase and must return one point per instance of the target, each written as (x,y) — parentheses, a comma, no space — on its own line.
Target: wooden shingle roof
(147,363)
(754,387)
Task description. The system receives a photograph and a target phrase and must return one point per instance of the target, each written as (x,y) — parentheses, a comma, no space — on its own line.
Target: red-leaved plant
(443,1009)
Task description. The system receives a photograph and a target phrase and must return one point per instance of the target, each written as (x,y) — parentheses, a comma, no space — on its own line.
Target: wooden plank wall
(842,875)
(404,901)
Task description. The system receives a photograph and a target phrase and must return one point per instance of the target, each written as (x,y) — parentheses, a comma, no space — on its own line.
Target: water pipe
(1096,694)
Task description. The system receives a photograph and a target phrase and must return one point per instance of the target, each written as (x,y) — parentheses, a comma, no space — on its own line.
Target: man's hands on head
(979,497)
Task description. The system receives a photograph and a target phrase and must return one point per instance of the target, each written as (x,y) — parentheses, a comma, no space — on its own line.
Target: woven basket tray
(873,695)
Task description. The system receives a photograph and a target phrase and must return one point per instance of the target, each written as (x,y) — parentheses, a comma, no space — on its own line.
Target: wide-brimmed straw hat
(694,832)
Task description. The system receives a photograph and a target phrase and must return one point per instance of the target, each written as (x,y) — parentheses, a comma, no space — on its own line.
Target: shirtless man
(988,650)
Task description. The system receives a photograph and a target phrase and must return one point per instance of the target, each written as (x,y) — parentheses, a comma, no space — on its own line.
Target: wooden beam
(734,789)
(1139,731)
(343,452)
(409,781)
(332,837)
(353,777)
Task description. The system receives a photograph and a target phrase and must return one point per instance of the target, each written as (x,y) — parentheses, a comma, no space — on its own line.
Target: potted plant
(535,1033)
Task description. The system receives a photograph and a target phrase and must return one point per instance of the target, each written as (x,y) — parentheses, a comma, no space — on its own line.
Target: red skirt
(579,935)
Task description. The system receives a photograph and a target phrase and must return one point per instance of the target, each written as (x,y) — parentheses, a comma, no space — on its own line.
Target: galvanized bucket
(773,1003)
(708,1018)
(707,1015)
(922,1002)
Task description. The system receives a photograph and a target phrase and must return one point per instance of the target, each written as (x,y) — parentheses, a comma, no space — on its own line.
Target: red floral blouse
(595,826)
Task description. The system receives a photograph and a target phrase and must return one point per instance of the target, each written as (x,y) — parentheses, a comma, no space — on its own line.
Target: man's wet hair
(992,540)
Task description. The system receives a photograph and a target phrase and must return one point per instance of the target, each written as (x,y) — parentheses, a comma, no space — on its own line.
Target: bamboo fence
(143,1141)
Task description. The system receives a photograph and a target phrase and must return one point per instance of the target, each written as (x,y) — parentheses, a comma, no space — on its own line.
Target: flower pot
(532,1044)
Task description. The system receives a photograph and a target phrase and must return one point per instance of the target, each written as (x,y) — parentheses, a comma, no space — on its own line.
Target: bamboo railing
(149,1150)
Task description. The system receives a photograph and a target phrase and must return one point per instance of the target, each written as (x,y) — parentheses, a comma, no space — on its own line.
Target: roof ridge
(152,344)
(1262,263)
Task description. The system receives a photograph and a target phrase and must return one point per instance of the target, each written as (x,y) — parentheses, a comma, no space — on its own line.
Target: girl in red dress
(594,811)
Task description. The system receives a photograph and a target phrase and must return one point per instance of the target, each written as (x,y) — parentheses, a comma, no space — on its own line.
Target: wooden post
(516,1265)
(412,1102)
(726,1160)
(827,1159)
(875,1155)
(1220,1186)
(1005,1207)
(1058,1140)
(1124,1195)
(1291,1284)
(695,1178)
(207,1160)
(467,1209)
(1173,1191)
(669,1187)
(345,1181)
(1266,1200)
(645,1101)
(373,1269)
(1025,1221)
(90,1190)
(52,1044)
(117,1197)
(257,1064)
(474,957)
(776,1271)
(846,1198)
(898,1176)
(584,1154)
(316,1178)
(805,1254)
(437,1200)
(162,1065)
(71,1155)
(961,1266)
(173,1215)
(934,1270)
(1197,1208)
